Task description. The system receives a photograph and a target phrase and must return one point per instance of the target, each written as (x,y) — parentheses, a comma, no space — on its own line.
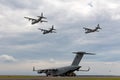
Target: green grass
(18,76)
(59,78)
(88,78)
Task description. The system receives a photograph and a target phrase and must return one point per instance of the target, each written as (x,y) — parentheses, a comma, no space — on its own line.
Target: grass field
(57,78)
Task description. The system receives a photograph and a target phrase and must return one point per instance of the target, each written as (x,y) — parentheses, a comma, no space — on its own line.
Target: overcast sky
(23,46)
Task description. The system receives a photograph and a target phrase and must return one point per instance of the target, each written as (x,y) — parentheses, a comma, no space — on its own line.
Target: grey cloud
(90,4)
(7,58)
(26,4)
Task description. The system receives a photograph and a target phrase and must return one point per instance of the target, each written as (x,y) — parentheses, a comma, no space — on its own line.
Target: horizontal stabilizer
(80,52)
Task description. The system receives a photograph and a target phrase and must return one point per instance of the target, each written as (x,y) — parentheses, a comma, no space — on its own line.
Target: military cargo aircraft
(88,30)
(51,30)
(67,70)
(34,21)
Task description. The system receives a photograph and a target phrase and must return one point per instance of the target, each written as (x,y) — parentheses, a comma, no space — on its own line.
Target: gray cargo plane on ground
(51,30)
(34,21)
(88,30)
(68,70)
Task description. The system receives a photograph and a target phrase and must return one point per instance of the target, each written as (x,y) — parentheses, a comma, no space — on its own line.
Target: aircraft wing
(29,18)
(53,32)
(42,29)
(86,28)
(44,17)
(43,21)
(44,70)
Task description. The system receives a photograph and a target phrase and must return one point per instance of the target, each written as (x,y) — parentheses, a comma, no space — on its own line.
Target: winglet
(34,68)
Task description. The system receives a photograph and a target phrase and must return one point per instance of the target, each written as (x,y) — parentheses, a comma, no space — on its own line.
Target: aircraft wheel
(73,74)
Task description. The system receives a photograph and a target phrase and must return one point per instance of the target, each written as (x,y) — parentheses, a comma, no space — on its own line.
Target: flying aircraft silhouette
(67,70)
(34,21)
(88,30)
(51,30)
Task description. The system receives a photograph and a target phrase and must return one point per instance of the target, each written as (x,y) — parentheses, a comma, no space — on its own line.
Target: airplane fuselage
(66,71)
(63,71)
(48,31)
(36,21)
(45,32)
(92,30)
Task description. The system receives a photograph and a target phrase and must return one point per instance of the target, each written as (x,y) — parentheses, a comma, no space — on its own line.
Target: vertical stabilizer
(78,57)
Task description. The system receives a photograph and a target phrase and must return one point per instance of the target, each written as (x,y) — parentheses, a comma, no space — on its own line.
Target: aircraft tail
(78,57)
(98,26)
(41,16)
(53,27)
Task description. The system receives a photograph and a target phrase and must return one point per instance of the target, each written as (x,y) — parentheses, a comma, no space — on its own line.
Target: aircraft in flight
(34,21)
(67,70)
(88,30)
(51,30)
